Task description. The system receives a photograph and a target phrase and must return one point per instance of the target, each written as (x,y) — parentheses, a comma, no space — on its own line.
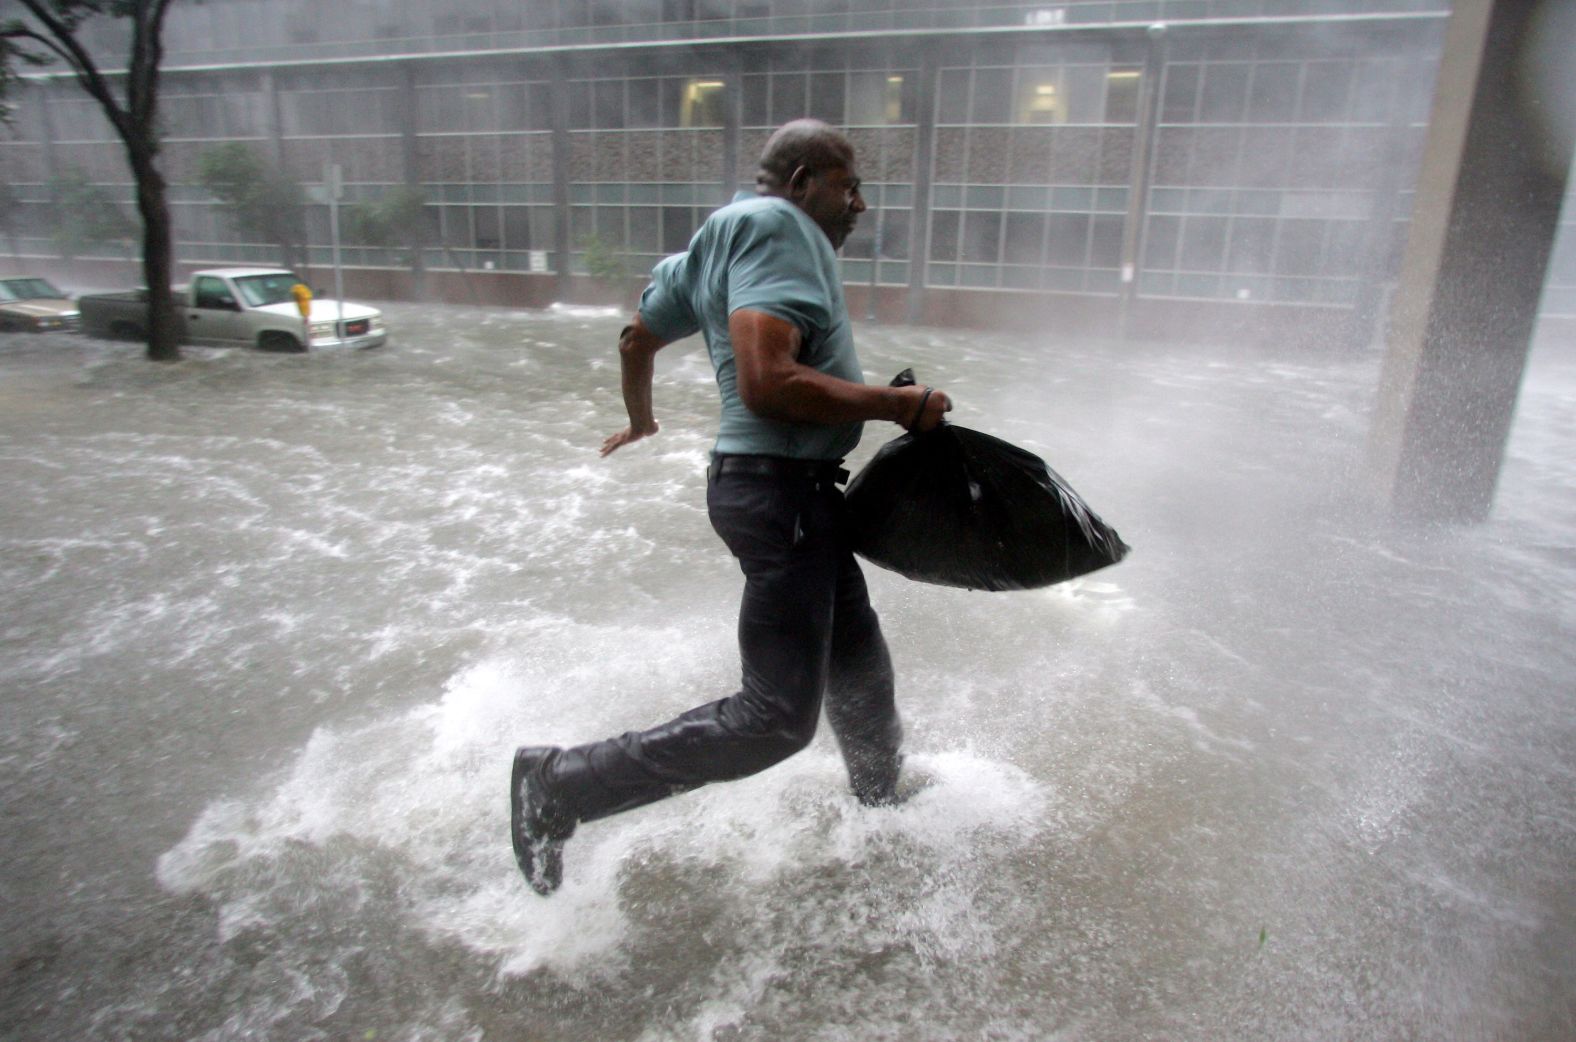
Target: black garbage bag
(957,507)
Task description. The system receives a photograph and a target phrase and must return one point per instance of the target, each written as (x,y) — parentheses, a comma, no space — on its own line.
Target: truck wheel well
(277,341)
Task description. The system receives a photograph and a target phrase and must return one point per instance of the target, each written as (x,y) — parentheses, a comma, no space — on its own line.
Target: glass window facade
(260,30)
(1258,163)
(1273,172)
(644,164)
(1034,152)
(483,159)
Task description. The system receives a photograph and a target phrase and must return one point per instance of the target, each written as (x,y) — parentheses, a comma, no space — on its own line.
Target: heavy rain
(273,621)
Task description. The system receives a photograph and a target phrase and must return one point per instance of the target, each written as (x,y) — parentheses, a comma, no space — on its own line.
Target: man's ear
(799,181)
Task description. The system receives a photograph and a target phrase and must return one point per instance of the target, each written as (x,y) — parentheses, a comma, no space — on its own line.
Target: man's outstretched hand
(625,437)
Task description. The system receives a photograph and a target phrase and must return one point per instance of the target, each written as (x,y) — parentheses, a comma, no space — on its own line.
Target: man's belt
(778,467)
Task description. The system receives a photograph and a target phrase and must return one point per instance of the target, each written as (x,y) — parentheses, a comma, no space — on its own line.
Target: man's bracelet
(921,410)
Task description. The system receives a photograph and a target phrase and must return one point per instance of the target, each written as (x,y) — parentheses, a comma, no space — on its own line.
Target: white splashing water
(1280,775)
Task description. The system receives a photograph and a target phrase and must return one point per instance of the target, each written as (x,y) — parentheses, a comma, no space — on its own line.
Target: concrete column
(269,85)
(410,152)
(1486,210)
(924,156)
(733,116)
(561,227)
(410,174)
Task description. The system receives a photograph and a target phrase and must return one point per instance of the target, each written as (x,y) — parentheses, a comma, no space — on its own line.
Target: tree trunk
(157,255)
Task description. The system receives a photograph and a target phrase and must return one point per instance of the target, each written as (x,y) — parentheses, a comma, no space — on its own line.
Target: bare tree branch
(63,29)
(22,32)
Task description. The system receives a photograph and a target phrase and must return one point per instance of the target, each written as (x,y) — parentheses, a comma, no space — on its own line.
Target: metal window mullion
(1141,172)
(46,126)
(1302,90)
(732,120)
(925,102)
(1045,232)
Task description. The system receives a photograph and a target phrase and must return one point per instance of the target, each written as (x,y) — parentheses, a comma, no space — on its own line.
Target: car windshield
(262,290)
(28,289)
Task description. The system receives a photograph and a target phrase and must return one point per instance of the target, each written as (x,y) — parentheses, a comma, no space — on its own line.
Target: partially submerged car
(226,307)
(34,305)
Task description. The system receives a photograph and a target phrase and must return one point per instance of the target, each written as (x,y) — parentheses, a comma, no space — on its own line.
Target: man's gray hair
(808,143)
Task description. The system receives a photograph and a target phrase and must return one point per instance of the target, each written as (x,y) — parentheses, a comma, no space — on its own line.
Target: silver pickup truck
(227,307)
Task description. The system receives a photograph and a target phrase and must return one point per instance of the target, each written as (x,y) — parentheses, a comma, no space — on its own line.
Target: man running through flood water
(761,283)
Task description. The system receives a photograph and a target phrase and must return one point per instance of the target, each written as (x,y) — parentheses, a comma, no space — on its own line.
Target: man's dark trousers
(805,628)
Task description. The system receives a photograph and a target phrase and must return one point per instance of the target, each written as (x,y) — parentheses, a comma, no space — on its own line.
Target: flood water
(271,627)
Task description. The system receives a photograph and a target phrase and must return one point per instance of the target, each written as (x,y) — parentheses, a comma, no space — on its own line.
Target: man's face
(831,198)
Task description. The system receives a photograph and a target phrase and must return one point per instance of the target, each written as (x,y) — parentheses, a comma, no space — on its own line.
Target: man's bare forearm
(801,394)
(637,349)
(774,384)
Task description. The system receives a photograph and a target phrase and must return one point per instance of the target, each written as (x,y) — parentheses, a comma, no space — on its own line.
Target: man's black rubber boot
(538,821)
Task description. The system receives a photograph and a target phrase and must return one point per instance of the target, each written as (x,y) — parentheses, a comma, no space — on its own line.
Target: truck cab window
(212,293)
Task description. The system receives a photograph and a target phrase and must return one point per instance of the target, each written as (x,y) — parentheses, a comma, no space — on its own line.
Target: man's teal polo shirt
(760,253)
